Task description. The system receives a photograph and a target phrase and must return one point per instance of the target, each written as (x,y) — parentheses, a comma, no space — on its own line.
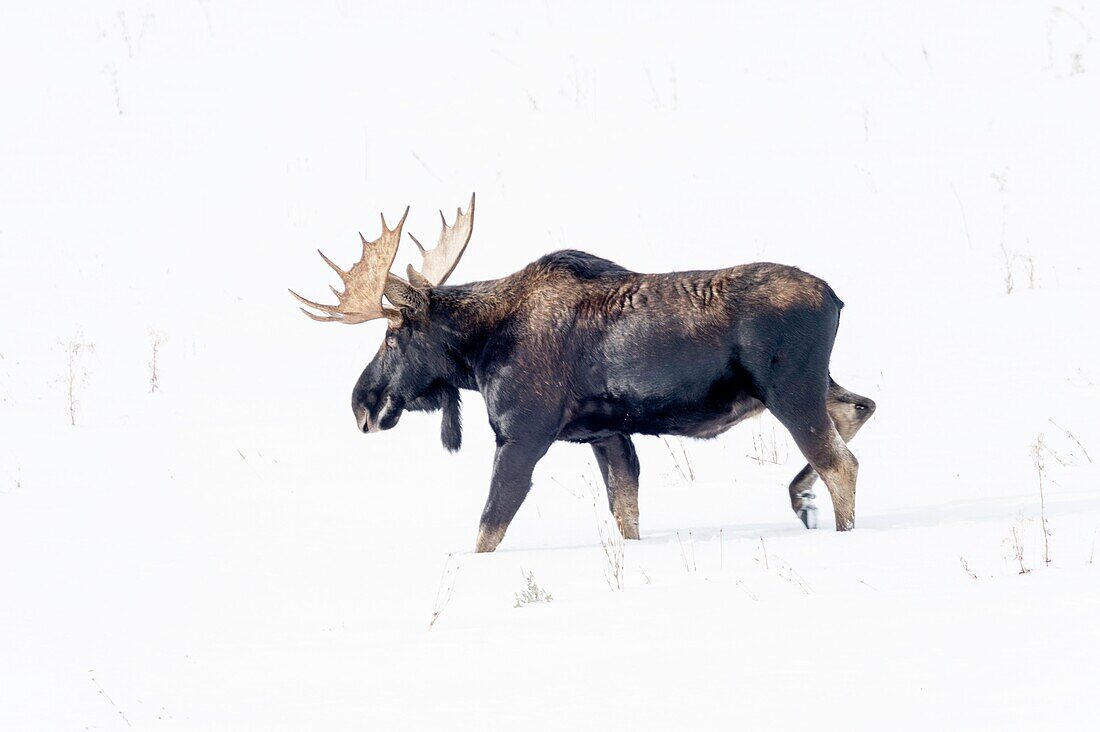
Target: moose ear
(405,297)
(418,280)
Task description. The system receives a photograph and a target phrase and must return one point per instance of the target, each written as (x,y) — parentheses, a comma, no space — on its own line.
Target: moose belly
(599,417)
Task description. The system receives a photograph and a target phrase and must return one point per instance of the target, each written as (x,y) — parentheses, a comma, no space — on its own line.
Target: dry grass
(532,593)
(614,553)
(688,559)
(77,375)
(444,591)
(682,461)
(1018,551)
(1037,453)
(157,340)
(765,448)
(966,568)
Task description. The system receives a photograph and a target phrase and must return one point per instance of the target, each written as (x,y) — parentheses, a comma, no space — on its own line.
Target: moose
(575,348)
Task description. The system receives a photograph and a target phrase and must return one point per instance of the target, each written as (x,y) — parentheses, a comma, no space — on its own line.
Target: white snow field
(227,552)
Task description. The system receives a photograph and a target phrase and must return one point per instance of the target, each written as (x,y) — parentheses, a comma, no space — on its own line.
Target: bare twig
(443,592)
(111,701)
(687,460)
(675,460)
(1009,285)
(1071,436)
(1019,551)
(1054,454)
(787,572)
(614,552)
(689,565)
(966,568)
(1029,266)
(571,492)
(1037,453)
(766,451)
(77,375)
(966,227)
(157,340)
(689,474)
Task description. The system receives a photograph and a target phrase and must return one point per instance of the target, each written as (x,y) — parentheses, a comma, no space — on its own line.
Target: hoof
(807,510)
(628,528)
(488,539)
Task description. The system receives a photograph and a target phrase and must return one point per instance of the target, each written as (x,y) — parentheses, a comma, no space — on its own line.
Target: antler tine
(361,299)
(441,261)
(316,305)
(386,229)
(329,262)
(419,246)
(321,318)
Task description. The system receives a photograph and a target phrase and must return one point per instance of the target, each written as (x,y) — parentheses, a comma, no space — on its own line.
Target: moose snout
(364,405)
(385,416)
(362,418)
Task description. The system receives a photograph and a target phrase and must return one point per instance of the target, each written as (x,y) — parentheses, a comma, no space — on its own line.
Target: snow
(227,552)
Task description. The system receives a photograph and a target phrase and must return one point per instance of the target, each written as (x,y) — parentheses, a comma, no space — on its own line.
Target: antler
(361,299)
(441,261)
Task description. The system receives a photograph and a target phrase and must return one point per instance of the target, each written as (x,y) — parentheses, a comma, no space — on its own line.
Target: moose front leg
(619,466)
(512,468)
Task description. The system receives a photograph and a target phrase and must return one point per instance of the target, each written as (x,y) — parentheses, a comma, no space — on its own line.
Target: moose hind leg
(512,468)
(802,411)
(834,462)
(848,412)
(619,466)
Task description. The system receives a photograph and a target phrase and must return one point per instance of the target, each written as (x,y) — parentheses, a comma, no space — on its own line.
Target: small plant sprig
(156,340)
(532,593)
(77,375)
(1018,551)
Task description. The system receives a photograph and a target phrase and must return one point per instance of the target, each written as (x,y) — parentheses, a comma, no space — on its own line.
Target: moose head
(414,368)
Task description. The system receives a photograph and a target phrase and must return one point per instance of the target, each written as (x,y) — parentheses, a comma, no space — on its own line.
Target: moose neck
(466,315)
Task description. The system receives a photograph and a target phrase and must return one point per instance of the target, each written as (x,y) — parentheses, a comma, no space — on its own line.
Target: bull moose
(574,347)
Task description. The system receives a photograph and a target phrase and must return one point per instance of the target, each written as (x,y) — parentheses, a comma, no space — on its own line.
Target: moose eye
(391,341)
